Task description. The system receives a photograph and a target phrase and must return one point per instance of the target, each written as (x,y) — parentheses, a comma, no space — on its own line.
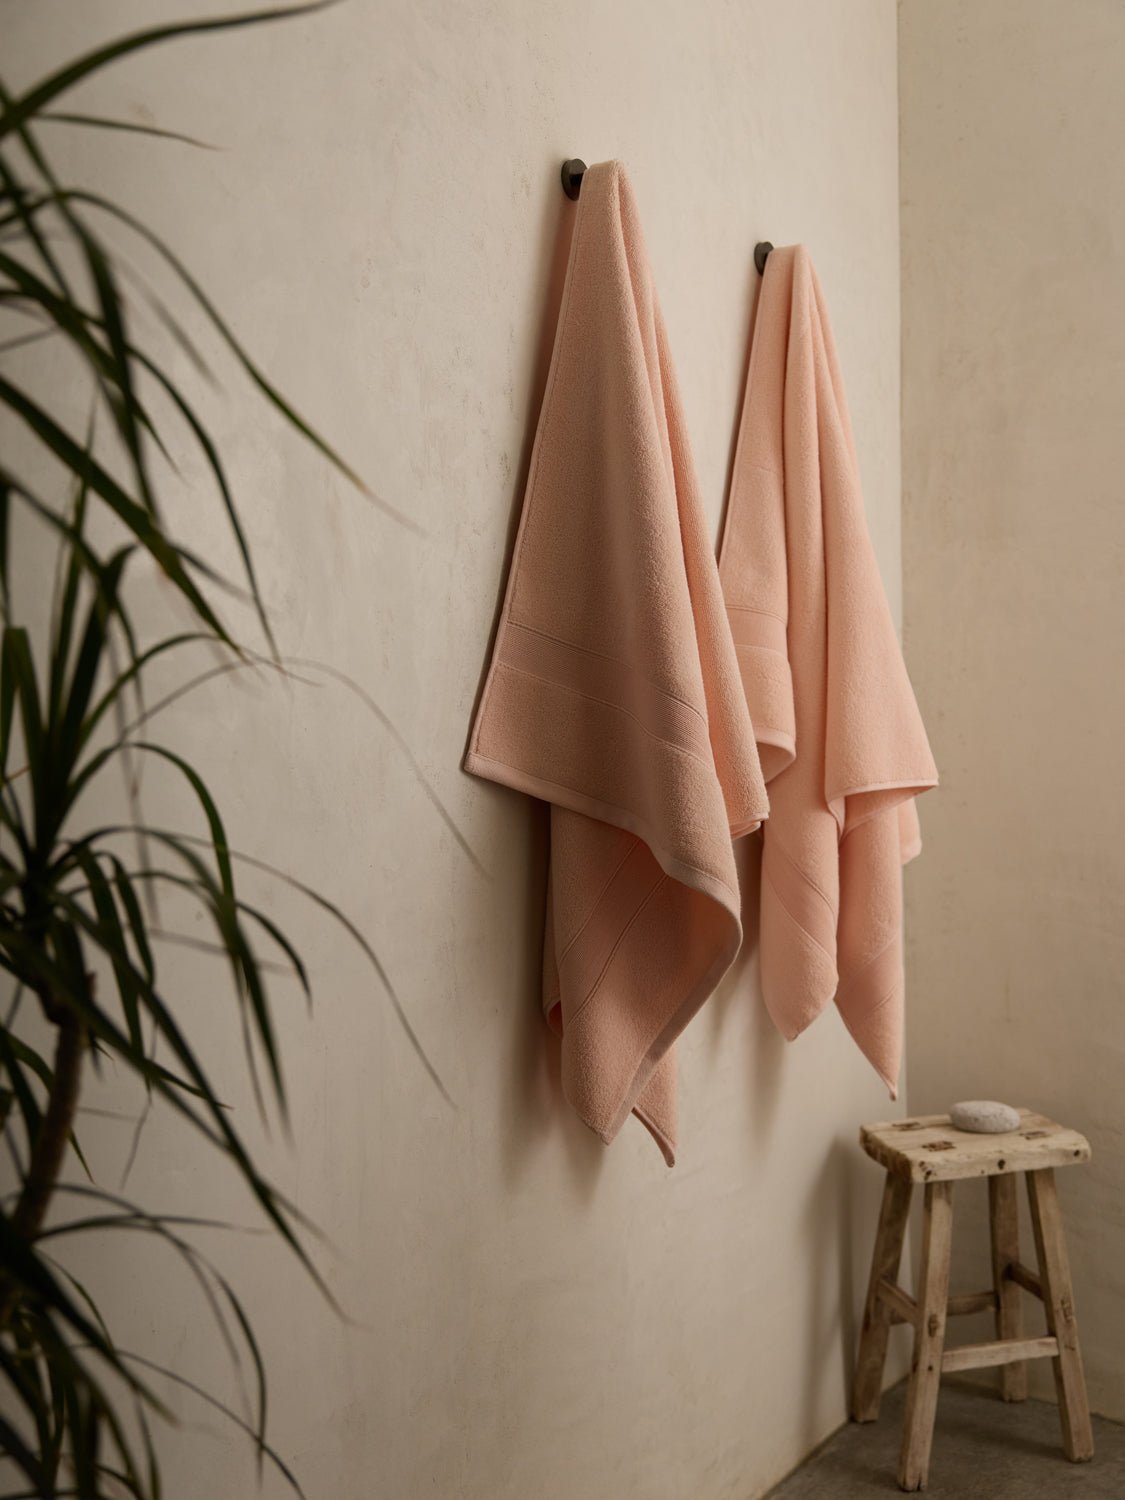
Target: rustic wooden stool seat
(930,1150)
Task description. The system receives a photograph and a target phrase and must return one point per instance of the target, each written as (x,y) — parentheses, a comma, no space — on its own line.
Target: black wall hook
(761,255)
(573,171)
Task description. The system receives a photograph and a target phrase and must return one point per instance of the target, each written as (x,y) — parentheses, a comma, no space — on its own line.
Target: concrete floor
(982,1447)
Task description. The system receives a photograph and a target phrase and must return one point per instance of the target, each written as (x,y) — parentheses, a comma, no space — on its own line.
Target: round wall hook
(573,170)
(761,255)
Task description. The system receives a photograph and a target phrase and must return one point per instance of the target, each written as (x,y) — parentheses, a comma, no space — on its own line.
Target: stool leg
(885,1258)
(1004,1226)
(1058,1300)
(929,1336)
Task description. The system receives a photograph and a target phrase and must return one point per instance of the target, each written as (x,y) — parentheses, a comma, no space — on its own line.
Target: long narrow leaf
(22,340)
(17,660)
(113,693)
(133,127)
(13,1065)
(28,1271)
(24,210)
(214,461)
(266,388)
(24,109)
(223,1130)
(111,374)
(114,321)
(92,564)
(226,914)
(309,664)
(17,1449)
(7,701)
(129,988)
(357,936)
(295,965)
(5,517)
(267,1450)
(88,661)
(132,514)
(15,1056)
(128,1217)
(63,621)
(131,907)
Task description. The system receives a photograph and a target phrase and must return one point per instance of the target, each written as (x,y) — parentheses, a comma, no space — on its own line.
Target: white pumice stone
(984,1116)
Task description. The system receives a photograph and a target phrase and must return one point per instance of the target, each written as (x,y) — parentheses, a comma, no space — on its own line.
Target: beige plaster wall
(1013,225)
(532,1317)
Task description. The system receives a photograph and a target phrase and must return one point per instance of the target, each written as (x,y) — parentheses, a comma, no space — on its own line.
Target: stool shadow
(830,1223)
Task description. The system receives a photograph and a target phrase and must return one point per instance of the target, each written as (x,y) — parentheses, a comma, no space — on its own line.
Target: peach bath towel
(840,736)
(614,694)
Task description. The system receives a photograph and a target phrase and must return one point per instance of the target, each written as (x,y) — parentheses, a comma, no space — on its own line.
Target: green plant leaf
(102,122)
(114,946)
(309,664)
(92,564)
(132,909)
(24,210)
(63,624)
(357,936)
(113,319)
(30,1272)
(266,388)
(265,1449)
(225,912)
(21,341)
(113,693)
(16,659)
(214,1287)
(5,517)
(24,109)
(88,661)
(15,1056)
(171,559)
(214,461)
(15,1448)
(110,372)
(7,700)
(221,1130)
(68,903)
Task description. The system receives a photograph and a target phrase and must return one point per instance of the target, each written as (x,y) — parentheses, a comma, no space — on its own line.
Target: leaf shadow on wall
(555,235)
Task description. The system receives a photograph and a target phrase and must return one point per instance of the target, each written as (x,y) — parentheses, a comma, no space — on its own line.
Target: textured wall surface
(1013,222)
(532,1317)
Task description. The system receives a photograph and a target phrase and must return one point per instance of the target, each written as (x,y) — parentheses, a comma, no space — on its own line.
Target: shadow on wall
(556,230)
(828,1224)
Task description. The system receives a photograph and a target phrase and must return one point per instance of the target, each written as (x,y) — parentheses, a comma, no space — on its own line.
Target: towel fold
(841,740)
(613,691)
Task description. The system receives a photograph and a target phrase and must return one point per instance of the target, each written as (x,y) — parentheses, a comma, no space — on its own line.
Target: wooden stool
(929,1150)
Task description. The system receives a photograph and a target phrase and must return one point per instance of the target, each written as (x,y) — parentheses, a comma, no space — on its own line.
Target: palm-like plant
(76,895)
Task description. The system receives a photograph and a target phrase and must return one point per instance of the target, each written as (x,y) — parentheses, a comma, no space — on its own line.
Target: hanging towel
(840,737)
(613,692)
